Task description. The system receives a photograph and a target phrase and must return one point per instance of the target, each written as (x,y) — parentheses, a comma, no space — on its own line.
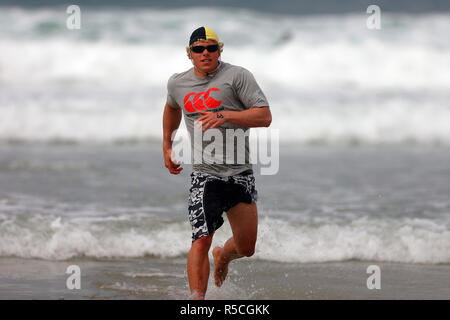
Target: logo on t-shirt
(200,101)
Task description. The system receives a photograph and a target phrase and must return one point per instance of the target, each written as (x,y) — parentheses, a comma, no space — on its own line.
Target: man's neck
(203,74)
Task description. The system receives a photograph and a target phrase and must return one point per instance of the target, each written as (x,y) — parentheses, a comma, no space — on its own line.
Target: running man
(220,96)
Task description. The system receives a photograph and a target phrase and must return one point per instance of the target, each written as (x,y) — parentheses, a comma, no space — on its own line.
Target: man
(215,95)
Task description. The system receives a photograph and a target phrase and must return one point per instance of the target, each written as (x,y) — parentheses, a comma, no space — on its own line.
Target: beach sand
(248,279)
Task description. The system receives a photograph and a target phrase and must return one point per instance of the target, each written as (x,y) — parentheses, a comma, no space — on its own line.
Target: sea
(363,177)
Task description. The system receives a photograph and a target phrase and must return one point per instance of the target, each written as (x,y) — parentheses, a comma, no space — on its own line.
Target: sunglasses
(210,48)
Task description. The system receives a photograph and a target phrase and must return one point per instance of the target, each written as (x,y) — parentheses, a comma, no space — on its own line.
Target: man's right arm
(171,122)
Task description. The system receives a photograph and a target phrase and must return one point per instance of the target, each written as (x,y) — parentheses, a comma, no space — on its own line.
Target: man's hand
(171,163)
(210,119)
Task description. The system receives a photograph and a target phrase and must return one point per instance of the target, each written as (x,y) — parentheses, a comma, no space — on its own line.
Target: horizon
(282,6)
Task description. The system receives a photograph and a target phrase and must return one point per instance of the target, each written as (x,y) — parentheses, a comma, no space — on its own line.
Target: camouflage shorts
(210,196)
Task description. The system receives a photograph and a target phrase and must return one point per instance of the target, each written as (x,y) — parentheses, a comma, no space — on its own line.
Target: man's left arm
(251,118)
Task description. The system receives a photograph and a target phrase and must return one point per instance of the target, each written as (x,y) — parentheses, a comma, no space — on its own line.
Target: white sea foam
(372,239)
(328,79)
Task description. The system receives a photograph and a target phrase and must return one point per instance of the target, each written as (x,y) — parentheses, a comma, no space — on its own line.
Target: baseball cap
(203,33)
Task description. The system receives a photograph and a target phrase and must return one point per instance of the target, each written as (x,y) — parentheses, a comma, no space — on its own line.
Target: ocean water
(363,119)
(342,204)
(329,214)
(335,79)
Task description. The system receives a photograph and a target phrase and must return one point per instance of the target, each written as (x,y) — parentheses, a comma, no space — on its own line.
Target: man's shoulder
(234,68)
(180,76)
(237,72)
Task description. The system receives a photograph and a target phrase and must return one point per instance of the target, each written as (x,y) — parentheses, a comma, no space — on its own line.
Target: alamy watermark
(373,22)
(74,280)
(230,146)
(374,280)
(73,22)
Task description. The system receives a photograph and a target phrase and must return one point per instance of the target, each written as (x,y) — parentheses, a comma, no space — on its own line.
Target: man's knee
(202,244)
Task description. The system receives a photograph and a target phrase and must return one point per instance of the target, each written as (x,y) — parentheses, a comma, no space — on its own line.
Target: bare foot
(195,295)
(221,267)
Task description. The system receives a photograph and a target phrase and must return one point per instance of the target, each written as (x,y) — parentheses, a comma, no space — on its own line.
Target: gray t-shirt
(225,151)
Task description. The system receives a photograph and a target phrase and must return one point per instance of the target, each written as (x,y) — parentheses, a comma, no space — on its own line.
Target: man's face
(205,61)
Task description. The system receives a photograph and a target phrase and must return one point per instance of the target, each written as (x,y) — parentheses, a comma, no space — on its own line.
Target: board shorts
(210,196)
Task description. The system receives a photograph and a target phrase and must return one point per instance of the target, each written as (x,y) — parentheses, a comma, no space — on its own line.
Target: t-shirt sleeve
(171,93)
(248,90)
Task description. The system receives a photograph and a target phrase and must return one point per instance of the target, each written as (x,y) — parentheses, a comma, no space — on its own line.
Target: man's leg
(198,266)
(243,219)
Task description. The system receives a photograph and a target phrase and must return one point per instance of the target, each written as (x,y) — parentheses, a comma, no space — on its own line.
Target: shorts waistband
(247,172)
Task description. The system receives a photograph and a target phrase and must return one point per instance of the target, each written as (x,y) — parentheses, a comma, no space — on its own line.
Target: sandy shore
(251,279)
